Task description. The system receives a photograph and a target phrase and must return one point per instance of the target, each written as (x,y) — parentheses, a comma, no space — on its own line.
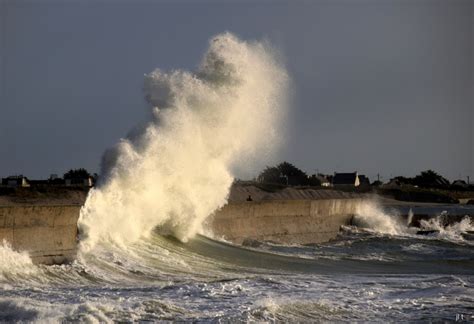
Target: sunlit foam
(177,169)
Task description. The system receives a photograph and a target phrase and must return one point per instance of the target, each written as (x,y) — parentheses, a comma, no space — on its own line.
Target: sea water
(363,275)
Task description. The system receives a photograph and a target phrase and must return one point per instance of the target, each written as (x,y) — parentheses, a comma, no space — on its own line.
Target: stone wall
(47,233)
(283,221)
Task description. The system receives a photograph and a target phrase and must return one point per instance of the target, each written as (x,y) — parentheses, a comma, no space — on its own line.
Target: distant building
(346,179)
(79,181)
(15,181)
(56,182)
(38,183)
(47,183)
(459,184)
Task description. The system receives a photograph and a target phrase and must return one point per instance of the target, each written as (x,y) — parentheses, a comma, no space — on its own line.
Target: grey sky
(378,86)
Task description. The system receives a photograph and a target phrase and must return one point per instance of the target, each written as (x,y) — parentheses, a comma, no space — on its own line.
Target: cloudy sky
(378,86)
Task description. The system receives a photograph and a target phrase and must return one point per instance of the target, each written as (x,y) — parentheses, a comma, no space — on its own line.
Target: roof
(15,177)
(344,178)
(459,183)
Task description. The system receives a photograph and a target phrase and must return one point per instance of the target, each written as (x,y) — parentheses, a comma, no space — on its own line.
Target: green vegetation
(426,179)
(284,173)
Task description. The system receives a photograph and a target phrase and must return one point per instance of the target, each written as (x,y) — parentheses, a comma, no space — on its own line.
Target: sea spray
(370,215)
(177,169)
(410,217)
(452,231)
(14,265)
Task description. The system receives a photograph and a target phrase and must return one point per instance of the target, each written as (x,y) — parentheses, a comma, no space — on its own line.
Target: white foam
(177,169)
(14,264)
(371,215)
(451,232)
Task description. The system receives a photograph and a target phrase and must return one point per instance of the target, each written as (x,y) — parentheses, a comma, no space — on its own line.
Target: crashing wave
(177,169)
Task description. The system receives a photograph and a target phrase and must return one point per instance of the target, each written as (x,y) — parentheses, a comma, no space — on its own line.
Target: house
(459,184)
(346,179)
(38,183)
(47,183)
(15,181)
(86,181)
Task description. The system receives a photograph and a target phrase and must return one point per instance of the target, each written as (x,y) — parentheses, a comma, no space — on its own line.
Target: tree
(270,175)
(284,173)
(427,179)
(430,178)
(289,170)
(293,175)
(403,180)
(77,173)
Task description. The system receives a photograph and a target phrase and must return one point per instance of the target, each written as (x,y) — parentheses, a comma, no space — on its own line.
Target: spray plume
(177,169)
(370,215)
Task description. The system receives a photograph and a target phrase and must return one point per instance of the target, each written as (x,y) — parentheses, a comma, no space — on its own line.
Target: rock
(427,232)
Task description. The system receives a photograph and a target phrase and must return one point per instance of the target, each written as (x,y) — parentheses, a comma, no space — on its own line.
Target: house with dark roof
(15,181)
(346,179)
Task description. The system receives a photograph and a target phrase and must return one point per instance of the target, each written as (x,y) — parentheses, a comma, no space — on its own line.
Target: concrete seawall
(284,221)
(47,233)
